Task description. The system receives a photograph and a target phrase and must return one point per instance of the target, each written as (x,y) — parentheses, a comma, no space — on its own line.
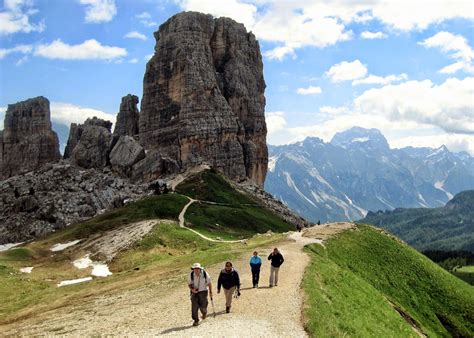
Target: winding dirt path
(182,224)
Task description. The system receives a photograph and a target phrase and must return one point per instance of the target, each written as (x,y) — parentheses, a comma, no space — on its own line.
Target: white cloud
(88,50)
(145,19)
(382,80)
(279,53)
(311,90)
(449,106)
(373,35)
(134,60)
(346,71)
(16,18)
(135,35)
(238,10)
(334,110)
(454,142)
(456,47)
(23,49)
(98,11)
(275,121)
(67,113)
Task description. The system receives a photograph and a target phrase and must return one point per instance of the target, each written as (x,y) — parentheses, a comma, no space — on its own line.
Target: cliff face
(27,142)
(203,99)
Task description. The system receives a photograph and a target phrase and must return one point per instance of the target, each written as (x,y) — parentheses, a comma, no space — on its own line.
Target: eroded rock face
(27,141)
(203,99)
(127,118)
(89,144)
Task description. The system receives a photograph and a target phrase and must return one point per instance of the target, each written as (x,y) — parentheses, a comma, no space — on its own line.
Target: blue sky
(404,67)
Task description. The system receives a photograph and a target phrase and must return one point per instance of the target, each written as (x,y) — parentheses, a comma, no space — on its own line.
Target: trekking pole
(213,310)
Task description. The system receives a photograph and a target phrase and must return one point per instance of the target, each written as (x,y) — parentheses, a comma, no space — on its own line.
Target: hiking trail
(163,307)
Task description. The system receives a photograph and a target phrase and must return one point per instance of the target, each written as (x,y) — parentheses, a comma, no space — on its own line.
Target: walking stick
(213,311)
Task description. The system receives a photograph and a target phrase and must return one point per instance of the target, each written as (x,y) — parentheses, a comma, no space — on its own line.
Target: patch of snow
(361,210)
(61,246)
(27,269)
(8,246)
(315,173)
(440,186)
(83,262)
(272,163)
(385,202)
(360,139)
(423,203)
(74,281)
(316,197)
(100,270)
(291,184)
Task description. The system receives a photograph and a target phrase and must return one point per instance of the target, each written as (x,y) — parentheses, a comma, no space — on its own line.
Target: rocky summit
(27,142)
(203,96)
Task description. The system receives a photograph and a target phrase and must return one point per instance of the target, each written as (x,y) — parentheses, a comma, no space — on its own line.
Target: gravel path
(164,309)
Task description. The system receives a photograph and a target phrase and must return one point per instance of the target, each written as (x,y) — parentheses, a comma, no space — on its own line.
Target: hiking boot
(227,309)
(254,286)
(270,286)
(196,323)
(276,284)
(204,315)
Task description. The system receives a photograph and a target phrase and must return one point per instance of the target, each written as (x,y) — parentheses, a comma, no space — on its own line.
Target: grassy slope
(238,216)
(351,283)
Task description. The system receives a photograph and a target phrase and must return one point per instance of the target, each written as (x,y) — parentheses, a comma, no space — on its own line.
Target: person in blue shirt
(255,264)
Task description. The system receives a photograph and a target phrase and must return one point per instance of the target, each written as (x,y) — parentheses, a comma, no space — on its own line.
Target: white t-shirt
(200,282)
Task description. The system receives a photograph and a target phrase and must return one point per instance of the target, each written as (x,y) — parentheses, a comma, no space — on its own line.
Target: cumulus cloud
(67,113)
(16,18)
(373,35)
(275,121)
(346,71)
(311,90)
(279,53)
(381,80)
(98,11)
(23,49)
(298,23)
(456,47)
(135,35)
(449,106)
(88,50)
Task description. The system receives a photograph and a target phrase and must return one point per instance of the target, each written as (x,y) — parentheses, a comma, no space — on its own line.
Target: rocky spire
(203,99)
(127,118)
(28,140)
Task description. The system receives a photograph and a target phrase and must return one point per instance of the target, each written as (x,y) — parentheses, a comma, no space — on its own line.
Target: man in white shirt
(199,283)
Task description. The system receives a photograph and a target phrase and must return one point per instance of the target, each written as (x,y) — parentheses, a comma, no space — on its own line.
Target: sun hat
(196,266)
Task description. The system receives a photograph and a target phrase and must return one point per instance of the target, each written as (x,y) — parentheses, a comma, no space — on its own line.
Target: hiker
(277,260)
(230,281)
(199,281)
(255,264)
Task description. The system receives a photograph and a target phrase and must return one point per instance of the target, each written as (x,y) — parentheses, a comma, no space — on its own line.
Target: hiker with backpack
(229,279)
(199,283)
(255,264)
(277,260)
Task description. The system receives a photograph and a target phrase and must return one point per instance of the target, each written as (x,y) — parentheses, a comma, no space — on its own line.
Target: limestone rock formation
(27,141)
(153,166)
(127,118)
(203,99)
(89,144)
(125,154)
(56,195)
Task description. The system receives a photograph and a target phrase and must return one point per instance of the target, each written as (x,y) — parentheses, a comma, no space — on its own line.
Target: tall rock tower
(203,96)
(27,141)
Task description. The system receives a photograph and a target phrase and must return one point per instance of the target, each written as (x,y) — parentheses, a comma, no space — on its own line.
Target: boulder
(125,154)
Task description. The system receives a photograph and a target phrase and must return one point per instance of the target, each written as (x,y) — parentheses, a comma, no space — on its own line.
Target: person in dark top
(255,264)
(229,279)
(277,260)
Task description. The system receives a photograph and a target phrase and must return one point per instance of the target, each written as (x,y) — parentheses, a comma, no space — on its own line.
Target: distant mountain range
(447,228)
(357,172)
